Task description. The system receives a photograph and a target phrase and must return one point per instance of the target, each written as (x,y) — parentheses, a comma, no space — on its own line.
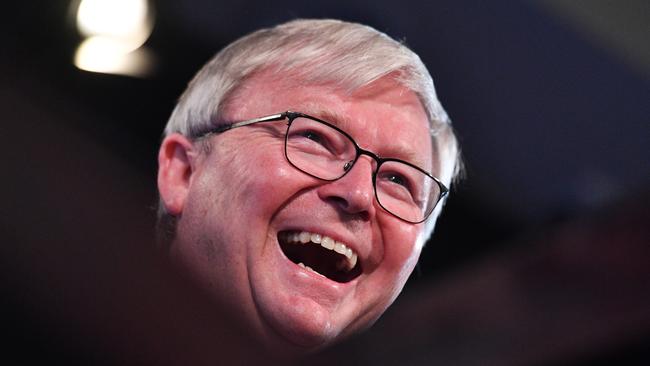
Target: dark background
(541,257)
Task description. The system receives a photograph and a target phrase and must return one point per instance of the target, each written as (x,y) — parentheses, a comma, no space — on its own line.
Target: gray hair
(348,55)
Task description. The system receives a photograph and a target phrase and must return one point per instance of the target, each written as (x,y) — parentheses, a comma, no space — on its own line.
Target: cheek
(401,251)
(233,197)
(270,182)
(398,259)
(257,183)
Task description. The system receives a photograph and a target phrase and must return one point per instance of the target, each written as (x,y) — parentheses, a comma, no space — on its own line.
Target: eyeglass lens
(324,152)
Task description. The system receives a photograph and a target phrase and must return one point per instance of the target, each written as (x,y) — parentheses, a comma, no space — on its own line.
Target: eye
(397,179)
(399,182)
(314,140)
(312,135)
(396,182)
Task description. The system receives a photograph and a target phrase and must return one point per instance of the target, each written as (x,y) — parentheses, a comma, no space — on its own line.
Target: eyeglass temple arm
(273,117)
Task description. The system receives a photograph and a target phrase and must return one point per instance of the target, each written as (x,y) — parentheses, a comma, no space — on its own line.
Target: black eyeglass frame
(291,116)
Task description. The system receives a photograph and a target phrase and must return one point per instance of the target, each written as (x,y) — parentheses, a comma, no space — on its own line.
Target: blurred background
(541,258)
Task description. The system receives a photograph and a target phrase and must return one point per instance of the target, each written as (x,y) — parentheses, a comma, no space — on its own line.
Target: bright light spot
(116,29)
(103,54)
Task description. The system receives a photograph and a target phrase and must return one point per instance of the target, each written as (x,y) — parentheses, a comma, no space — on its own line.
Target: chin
(295,333)
(291,344)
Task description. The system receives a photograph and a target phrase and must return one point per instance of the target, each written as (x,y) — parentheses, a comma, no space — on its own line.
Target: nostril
(349,208)
(339,202)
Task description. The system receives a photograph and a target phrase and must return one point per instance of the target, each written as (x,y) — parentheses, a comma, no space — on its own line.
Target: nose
(354,192)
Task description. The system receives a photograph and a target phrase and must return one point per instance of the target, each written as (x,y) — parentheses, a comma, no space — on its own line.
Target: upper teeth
(326,242)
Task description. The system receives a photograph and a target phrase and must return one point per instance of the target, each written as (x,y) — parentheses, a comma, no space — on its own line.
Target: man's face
(243,199)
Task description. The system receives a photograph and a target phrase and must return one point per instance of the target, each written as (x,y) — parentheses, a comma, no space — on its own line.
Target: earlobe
(175,168)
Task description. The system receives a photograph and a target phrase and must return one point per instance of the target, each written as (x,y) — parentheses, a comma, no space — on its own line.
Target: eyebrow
(397,151)
(341,121)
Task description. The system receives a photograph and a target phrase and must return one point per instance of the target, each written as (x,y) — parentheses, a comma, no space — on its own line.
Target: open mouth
(320,254)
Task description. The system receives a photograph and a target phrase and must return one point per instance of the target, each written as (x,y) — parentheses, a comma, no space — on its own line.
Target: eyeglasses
(324,151)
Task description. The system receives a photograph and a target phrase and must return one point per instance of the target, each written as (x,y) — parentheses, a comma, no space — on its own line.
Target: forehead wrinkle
(397,150)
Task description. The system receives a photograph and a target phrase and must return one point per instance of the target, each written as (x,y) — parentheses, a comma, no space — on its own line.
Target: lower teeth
(309,269)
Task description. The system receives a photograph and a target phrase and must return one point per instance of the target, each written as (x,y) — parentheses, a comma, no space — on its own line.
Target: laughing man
(300,175)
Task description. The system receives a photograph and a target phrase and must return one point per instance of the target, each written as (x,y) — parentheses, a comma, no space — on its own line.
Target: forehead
(384,116)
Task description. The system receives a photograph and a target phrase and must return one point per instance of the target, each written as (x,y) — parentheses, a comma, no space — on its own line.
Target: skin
(232,202)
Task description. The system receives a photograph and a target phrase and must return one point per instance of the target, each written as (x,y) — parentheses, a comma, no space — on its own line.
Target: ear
(175,168)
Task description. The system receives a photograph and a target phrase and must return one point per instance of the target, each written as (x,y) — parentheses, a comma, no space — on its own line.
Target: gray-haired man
(300,175)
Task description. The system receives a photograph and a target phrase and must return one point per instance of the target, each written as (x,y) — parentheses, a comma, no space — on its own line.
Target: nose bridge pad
(347,166)
(354,162)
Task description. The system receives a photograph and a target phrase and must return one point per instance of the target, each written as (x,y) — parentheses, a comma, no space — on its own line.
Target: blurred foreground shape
(575,294)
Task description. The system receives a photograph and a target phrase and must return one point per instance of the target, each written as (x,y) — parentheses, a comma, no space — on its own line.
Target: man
(300,175)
